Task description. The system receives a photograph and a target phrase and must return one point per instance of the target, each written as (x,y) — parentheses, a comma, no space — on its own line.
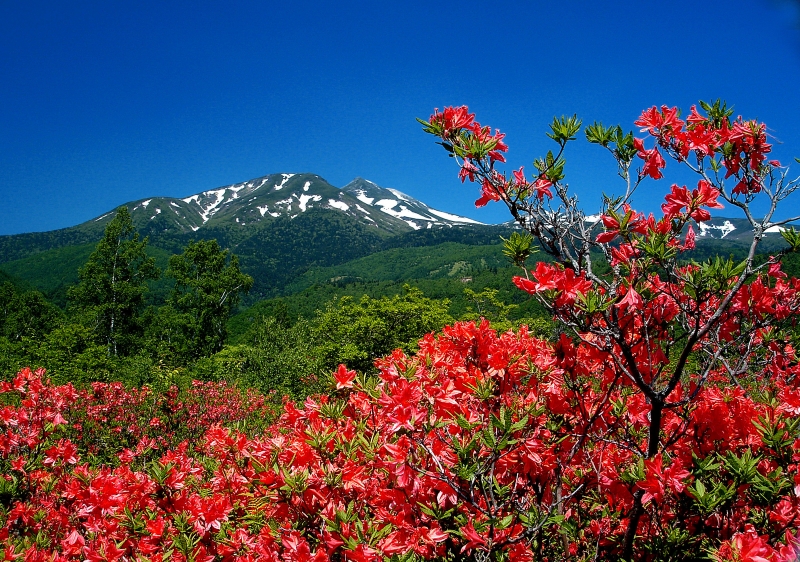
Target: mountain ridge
(235,212)
(281,225)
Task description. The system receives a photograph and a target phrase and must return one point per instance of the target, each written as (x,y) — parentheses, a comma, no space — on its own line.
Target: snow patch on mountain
(283,182)
(708,229)
(399,194)
(145,203)
(454,218)
(386,204)
(237,188)
(304,199)
(306,186)
(362,196)
(338,204)
(207,211)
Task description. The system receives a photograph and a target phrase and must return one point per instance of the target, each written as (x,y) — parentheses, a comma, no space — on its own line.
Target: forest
(127,321)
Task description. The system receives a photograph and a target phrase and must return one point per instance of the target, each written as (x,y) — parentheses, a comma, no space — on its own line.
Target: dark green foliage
(110,293)
(18,246)
(285,248)
(26,315)
(15,281)
(52,271)
(271,357)
(167,334)
(449,259)
(208,283)
(26,320)
(472,235)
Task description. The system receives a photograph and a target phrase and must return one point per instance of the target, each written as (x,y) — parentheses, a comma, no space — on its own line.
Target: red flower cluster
(743,144)
(472,142)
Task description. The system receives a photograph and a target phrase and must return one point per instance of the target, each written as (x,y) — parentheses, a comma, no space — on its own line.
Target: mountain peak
(237,209)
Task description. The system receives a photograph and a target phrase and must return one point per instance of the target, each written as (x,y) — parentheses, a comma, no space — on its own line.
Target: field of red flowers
(471,446)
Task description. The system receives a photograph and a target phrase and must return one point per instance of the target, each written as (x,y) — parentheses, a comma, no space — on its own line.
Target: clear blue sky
(107,102)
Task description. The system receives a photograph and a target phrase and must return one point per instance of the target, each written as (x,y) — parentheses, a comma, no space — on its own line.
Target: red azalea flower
(344,378)
(542,188)
(453,119)
(653,161)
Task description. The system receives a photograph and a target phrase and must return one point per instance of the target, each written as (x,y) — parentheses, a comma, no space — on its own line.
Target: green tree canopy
(208,284)
(357,332)
(110,293)
(26,314)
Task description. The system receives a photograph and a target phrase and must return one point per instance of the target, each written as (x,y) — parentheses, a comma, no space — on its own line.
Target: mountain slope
(397,204)
(245,207)
(280,225)
(235,212)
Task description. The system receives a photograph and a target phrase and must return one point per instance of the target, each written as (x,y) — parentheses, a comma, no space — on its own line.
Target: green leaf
(792,238)
(596,133)
(518,247)
(564,129)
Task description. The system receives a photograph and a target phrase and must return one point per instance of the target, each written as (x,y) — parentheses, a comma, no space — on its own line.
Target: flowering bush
(662,325)
(664,426)
(480,443)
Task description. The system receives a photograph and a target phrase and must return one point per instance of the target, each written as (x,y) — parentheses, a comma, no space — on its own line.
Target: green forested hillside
(276,254)
(286,248)
(326,288)
(53,271)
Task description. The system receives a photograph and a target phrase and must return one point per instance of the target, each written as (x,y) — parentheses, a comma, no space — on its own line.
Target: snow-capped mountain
(288,195)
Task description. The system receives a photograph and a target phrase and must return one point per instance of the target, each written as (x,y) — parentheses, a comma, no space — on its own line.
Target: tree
(657,323)
(32,316)
(208,284)
(355,333)
(110,293)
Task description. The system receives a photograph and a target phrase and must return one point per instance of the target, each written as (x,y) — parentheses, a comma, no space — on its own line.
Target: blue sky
(107,102)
